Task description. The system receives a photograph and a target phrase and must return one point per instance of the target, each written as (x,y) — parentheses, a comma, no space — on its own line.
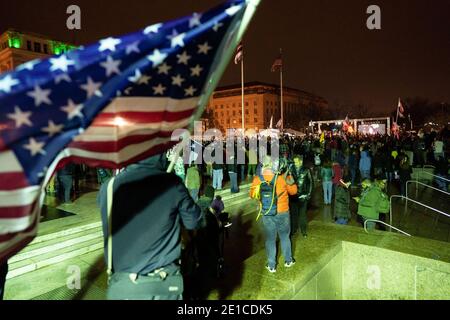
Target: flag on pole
(322,137)
(346,123)
(239,53)
(400,109)
(395,130)
(277,64)
(109,104)
(278,124)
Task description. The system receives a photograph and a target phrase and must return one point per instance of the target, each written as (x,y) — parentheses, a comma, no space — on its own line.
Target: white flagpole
(281,87)
(242,97)
(398,105)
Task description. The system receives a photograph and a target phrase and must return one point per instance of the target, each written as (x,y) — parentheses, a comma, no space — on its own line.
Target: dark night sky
(327,48)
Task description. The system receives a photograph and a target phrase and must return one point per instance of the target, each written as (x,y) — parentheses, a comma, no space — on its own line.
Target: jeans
(369,225)
(298,216)
(251,170)
(353,175)
(3,273)
(327,191)
(234,182)
(258,169)
(390,176)
(217,179)
(242,172)
(365,174)
(442,184)
(403,188)
(194,194)
(66,183)
(281,225)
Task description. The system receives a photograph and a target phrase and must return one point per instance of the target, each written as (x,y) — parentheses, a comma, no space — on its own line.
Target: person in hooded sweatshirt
(365,164)
(148,207)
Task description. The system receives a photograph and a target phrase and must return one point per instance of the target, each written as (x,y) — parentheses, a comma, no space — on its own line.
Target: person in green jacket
(372,201)
(192,181)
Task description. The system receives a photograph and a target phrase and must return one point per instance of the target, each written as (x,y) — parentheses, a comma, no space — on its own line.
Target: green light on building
(57,50)
(14,43)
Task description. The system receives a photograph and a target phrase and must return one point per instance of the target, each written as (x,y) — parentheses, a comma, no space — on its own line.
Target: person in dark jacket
(404,172)
(147,207)
(442,173)
(342,203)
(65,179)
(233,173)
(3,273)
(353,165)
(299,202)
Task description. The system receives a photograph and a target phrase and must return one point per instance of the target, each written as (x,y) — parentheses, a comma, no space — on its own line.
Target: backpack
(268,197)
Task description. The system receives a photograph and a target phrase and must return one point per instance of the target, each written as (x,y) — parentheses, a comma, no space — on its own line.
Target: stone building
(18,47)
(262,102)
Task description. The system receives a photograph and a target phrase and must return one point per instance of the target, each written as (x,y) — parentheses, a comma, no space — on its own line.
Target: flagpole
(396,118)
(242,94)
(281,89)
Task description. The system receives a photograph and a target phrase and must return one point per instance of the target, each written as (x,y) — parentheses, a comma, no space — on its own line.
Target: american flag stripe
(116,145)
(107,105)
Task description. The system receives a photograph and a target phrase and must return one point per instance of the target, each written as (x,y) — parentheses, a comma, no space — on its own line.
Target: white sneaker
(289,264)
(271,270)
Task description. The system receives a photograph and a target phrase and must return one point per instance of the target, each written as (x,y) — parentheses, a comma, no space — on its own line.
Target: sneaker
(289,264)
(271,270)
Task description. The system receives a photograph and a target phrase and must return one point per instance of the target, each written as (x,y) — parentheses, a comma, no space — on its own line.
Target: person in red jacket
(338,175)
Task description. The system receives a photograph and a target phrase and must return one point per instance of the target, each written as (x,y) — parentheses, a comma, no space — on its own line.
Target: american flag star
(107,105)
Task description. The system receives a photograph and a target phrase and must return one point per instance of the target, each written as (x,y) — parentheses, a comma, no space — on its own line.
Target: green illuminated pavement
(334,262)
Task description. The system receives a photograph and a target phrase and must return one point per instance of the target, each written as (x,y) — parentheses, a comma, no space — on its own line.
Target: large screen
(375,128)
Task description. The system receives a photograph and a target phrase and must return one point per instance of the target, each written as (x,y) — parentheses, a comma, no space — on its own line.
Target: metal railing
(416,202)
(425,185)
(435,176)
(390,226)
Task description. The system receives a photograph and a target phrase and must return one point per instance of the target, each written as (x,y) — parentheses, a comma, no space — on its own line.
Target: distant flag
(108,105)
(278,124)
(400,109)
(346,124)
(322,137)
(277,64)
(395,130)
(239,53)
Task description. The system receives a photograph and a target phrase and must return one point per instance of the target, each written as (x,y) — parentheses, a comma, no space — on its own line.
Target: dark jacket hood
(157,162)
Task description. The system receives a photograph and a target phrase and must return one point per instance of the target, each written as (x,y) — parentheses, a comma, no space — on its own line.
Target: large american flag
(109,104)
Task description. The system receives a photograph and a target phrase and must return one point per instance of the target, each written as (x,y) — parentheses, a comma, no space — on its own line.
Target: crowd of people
(141,223)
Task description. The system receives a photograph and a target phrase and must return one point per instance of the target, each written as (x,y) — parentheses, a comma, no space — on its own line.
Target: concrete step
(49,259)
(45,253)
(66,232)
(34,250)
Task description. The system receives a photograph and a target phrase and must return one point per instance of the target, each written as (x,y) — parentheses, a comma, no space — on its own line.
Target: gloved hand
(290,180)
